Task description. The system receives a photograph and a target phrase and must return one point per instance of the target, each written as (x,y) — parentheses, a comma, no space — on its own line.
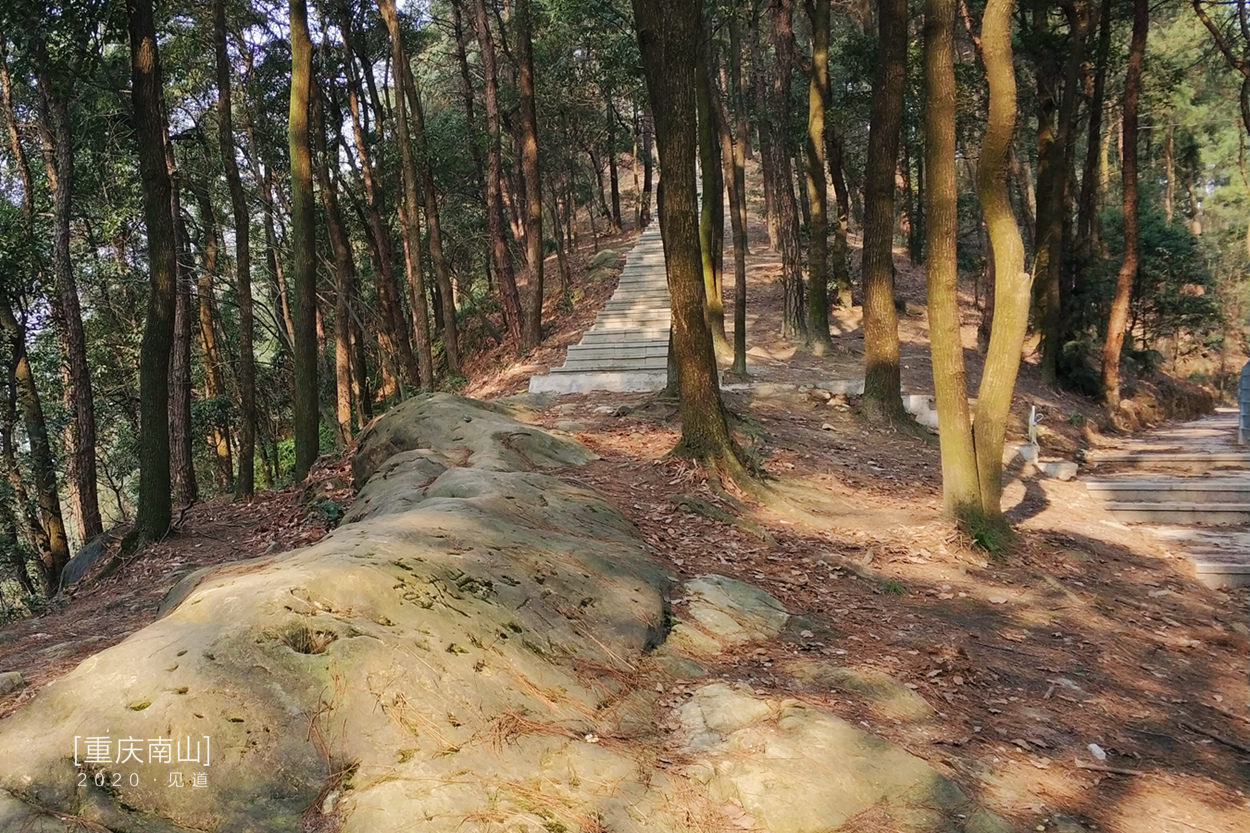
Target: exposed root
(698,506)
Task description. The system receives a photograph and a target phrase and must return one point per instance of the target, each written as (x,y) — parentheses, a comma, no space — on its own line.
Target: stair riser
(1177,494)
(1195,463)
(603,338)
(590,354)
(1222,517)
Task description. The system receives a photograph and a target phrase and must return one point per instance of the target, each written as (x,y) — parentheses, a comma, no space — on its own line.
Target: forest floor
(1087,632)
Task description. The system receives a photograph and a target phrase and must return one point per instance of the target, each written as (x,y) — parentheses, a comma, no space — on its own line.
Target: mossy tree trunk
(669,40)
(246,481)
(154,509)
(1117,322)
(959,465)
(882,382)
(409,217)
(711,204)
(532,332)
(303,247)
(1012,282)
(818,340)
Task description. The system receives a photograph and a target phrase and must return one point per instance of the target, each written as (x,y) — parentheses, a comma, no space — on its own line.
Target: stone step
(560,381)
(1171,490)
(1180,512)
(625,337)
(652,363)
(1191,461)
(658,300)
(635,350)
(642,320)
(1220,569)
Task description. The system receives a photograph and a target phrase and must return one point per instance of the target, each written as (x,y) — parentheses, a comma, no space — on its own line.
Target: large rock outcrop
(473,649)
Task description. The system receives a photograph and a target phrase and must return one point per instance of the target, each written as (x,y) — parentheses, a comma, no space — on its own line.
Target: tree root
(694,505)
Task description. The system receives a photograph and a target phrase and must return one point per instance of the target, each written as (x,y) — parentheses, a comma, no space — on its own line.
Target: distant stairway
(1183,481)
(627,348)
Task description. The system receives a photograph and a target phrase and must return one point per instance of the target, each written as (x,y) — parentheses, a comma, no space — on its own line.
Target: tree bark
(245,483)
(55,545)
(392,332)
(960,494)
(734,138)
(154,510)
(181,459)
(501,259)
(669,40)
(344,276)
(411,201)
(532,332)
(80,436)
(818,339)
(434,226)
(1052,206)
(794,312)
(304,402)
(1087,205)
(834,150)
(1012,282)
(214,364)
(882,383)
(1117,322)
(711,205)
(614,177)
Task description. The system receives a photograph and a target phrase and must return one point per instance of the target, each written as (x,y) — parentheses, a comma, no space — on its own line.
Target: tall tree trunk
(1087,204)
(1012,282)
(834,149)
(734,136)
(245,484)
(23,514)
(532,332)
(214,364)
(614,178)
(411,201)
(648,135)
(794,311)
(80,438)
(277,277)
(1118,319)
(392,332)
(1169,173)
(47,532)
(304,401)
(817,188)
(434,227)
(960,494)
(500,257)
(181,459)
(1052,220)
(882,382)
(669,41)
(154,511)
(344,275)
(711,205)
(462,37)
(54,543)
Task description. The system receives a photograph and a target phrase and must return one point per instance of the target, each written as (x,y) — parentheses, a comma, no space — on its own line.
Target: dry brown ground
(1088,632)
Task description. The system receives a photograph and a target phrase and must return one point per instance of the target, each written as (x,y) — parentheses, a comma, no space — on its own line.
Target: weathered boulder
(466,432)
(796,769)
(486,608)
(473,649)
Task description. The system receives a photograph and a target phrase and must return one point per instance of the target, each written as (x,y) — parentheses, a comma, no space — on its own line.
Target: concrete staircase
(627,347)
(1184,481)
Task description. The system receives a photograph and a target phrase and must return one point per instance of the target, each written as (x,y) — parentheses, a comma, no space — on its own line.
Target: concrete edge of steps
(1180,512)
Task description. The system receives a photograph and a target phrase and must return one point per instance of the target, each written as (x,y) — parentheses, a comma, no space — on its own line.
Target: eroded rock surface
(471,650)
